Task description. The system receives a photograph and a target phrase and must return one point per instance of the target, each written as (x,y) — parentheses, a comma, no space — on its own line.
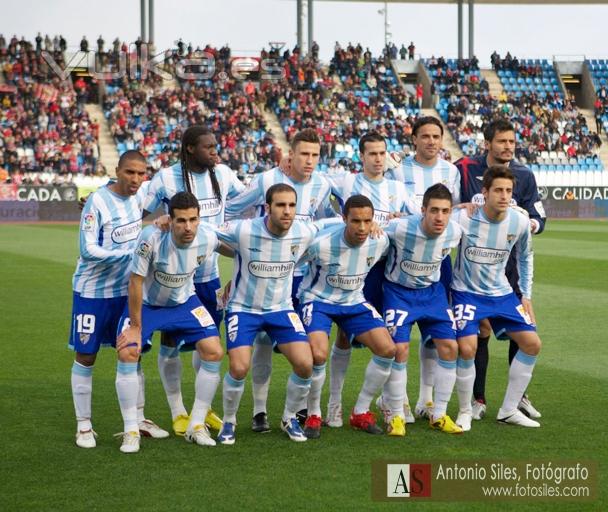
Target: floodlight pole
(151,21)
(471,28)
(299,15)
(310,26)
(460,29)
(142,13)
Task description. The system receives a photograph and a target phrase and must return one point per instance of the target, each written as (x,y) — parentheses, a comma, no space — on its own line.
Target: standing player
(332,291)
(162,298)
(413,293)
(109,227)
(390,199)
(480,289)
(499,138)
(313,193)
(267,250)
(419,172)
(212,184)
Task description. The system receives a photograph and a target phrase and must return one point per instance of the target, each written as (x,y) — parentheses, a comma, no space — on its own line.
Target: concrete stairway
(493,81)
(448,141)
(272,124)
(590,118)
(108,153)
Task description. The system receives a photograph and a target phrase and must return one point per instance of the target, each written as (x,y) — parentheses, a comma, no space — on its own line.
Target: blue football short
(426,306)
(94,322)
(353,319)
(208,293)
(186,323)
(505,313)
(282,327)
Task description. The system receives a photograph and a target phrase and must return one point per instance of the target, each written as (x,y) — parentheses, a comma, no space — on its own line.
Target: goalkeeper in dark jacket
(499,138)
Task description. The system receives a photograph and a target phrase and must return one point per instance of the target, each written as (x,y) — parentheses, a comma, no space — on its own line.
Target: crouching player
(162,298)
(481,290)
(332,291)
(413,293)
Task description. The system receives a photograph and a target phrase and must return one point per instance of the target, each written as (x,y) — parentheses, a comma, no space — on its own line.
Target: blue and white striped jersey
(484,251)
(169,269)
(109,227)
(264,263)
(337,269)
(414,258)
(168,182)
(312,203)
(387,196)
(417,177)
(142,193)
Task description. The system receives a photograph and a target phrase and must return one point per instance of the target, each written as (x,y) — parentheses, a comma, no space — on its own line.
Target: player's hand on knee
(130,337)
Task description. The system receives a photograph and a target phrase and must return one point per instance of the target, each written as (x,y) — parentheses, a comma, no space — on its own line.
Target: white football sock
(377,372)
(316,387)
(445,378)
(394,393)
(170,370)
(261,368)
(297,391)
(82,389)
(141,393)
(520,375)
(205,386)
(465,378)
(196,362)
(232,392)
(127,388)
(338,364)
(428,363)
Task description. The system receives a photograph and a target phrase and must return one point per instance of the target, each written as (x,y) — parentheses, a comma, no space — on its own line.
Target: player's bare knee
(466,351)
(85,359)
(239,369)
(402,352)
(447,350)
(303,368)
(319,355)
(128,355)
(210,350)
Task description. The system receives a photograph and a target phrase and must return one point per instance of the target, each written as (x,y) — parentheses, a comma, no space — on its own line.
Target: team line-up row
(299,267)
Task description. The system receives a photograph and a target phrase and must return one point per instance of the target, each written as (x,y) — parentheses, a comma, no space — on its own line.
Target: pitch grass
(42,469)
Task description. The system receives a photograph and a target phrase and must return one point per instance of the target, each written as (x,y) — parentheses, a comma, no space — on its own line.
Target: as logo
(408,480)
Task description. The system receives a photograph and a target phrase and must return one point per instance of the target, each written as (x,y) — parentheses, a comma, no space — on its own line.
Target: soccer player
(480,289)
(332,291)
(267,250)
(213,185)
(162,298)
(499,138)
(389,198)
(413,293)
(419,172)
(109,227)
(313,193)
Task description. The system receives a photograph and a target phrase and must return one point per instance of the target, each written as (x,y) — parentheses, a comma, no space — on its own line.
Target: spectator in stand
(84,44)
(411,49)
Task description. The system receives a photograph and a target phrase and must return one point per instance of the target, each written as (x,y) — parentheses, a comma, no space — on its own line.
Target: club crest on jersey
(313,202)
(510,238)
(88,222)
(232,335)
(370,260)
(84,338)
(445,252)
(294,249)
(143,249)
(461,324)
(200,259)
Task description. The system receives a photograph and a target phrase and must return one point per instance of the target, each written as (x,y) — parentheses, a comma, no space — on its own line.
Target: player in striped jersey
(162,298)
(413,293)
(390,199)
(419,172)
(213,185)
(332,291)
(109,227)
(313,192)
(267,250)
(480,289)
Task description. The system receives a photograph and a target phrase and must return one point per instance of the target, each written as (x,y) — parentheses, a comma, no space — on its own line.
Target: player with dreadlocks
(213,184)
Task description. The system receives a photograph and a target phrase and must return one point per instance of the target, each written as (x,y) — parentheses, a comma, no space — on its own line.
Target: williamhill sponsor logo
(210,207)
(418,269)
(126,233)
(271,269)
(171,280)
(484,255)
(346,282)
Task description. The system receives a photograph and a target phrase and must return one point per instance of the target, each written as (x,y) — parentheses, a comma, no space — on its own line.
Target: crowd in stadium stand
(45,130)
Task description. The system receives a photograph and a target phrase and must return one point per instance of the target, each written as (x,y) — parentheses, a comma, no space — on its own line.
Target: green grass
(42,469)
